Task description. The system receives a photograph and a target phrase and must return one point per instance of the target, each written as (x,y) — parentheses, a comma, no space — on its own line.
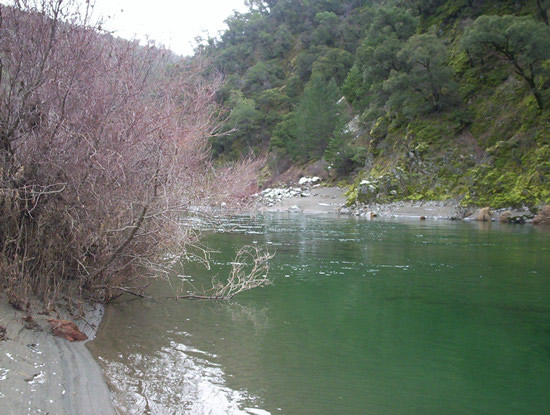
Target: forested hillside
(409,99)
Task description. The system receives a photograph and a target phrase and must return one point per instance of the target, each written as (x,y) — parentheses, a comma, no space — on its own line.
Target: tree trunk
(542,11)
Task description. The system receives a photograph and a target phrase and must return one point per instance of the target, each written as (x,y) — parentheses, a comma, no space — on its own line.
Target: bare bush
(103,147)
(249,270)
(484,215)
(506,216)
(543,216)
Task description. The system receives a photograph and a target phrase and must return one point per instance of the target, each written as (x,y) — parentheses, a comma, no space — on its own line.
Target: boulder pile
(271,196)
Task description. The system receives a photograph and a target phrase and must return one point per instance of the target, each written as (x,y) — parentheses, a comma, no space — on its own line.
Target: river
(364,317)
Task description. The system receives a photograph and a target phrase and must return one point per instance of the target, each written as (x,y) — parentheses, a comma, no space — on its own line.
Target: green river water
(364,317)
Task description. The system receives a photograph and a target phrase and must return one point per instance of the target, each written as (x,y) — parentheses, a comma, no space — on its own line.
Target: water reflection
(177,379)
(364,317)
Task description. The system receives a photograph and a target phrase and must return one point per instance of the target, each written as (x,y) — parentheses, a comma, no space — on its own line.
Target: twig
(127,290)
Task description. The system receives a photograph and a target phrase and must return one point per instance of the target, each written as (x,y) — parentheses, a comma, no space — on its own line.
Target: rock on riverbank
(408,209)
(44,374)
(310,197)
(446,209)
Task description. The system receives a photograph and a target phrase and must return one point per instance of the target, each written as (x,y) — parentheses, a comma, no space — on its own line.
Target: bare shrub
(506,216)
(484,215)
(103,147)
(249,270)
(543,217)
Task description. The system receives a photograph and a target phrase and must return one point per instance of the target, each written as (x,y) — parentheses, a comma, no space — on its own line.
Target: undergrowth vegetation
(103,148)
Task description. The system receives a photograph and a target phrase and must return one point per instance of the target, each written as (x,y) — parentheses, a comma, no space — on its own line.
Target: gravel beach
(307,200)
(317,199)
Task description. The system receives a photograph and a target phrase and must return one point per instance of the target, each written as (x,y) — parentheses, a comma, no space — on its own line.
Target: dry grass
(484,215)
(505,217)
(543,217)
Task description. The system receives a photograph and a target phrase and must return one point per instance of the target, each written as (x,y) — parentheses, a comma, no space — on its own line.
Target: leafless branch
(249,270)
(103,151)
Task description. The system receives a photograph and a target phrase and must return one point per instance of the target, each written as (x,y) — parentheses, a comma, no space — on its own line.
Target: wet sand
(44,374)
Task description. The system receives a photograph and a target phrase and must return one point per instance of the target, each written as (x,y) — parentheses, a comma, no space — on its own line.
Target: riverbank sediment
(317,199)
(44,374)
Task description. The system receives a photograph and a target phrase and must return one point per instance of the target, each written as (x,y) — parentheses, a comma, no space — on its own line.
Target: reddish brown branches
(103,146)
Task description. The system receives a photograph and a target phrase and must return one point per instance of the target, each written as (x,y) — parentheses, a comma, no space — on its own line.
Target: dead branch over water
(249,270)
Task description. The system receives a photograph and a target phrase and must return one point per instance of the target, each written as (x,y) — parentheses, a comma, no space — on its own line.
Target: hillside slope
(406,99)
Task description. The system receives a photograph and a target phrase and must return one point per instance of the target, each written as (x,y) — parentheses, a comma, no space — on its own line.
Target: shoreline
(318,199)
(42,373)
(310,199)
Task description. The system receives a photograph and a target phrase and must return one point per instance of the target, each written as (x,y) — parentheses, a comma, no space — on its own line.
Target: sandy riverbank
(319,199)
(312,200)
(332,200)
(44,374)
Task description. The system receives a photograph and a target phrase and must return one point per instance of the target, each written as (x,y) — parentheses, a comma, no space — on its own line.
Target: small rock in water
(294,209)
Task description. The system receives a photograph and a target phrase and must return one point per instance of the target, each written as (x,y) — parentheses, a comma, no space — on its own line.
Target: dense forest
(405,99)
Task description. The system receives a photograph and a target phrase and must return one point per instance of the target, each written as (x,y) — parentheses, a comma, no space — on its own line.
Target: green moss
(429,131)
(512,184)
(478,80)
(380,128)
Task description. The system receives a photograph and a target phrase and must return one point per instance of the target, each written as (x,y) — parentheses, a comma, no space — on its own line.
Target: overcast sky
(173,23)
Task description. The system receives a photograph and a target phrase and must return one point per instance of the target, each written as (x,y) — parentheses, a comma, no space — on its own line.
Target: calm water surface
(363,318)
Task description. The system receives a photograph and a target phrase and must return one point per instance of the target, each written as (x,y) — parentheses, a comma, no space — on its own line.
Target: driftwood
(67,329)
(249,270)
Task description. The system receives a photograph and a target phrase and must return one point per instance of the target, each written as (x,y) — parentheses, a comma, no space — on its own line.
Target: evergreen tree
(316,117)
(333,63)
(379,55)
(327,32)
(242,127)
(427,83)
(524,42)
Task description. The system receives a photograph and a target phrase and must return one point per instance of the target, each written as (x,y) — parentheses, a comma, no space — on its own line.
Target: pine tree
(316,118)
